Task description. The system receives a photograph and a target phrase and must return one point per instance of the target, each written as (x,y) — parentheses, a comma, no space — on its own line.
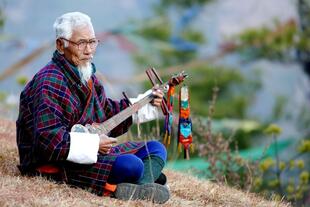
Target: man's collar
(70,71)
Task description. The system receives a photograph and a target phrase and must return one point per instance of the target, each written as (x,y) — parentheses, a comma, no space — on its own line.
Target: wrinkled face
(74,54)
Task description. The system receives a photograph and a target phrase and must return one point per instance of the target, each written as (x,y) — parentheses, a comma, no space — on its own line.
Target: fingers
(158,96)
(103,136)
(105,148)
(158,93)
(107,140)
(106,143)
(157,102)
(113,140)
(155,87)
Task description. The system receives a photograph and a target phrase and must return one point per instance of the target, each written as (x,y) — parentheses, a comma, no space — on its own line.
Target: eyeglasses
(83,43)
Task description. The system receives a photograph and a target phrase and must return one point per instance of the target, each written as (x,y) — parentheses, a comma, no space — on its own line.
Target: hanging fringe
(185,124)
(179,147)
(169,117)
(138,127)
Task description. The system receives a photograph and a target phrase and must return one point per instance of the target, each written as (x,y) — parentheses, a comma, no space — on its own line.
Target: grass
(17,190)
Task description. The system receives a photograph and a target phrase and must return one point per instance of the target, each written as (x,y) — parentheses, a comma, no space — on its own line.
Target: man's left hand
(158,96)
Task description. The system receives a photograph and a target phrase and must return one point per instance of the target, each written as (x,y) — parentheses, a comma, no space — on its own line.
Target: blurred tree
(2,19)
(304,16)
(288,41)
(276,43)
(183,3)
(176,41)
(285,42)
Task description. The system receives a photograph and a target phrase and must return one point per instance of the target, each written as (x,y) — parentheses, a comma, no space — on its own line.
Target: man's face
(80,56)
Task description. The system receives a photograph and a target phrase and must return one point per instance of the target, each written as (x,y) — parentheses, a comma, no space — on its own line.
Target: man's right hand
(106,143)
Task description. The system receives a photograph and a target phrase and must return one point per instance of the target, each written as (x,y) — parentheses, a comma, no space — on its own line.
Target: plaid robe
(51,103)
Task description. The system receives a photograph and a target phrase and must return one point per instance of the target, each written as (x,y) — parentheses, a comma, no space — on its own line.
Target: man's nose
(88,49)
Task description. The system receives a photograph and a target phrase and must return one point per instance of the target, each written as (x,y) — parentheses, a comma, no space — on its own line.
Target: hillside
(16,190)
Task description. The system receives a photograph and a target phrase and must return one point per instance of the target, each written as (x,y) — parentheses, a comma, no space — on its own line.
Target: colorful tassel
(185,124)
(169,117)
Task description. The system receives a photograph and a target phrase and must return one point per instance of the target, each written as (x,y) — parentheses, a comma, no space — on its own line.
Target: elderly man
(66,92)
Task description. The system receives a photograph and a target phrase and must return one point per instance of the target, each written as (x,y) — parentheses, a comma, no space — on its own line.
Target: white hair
(65,24)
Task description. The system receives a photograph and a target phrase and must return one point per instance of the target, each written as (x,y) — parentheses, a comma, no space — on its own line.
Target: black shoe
(162,179)
(150,191)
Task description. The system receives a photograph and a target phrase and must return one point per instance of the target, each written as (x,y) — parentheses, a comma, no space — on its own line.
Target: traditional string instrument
(108,125)
(185,138)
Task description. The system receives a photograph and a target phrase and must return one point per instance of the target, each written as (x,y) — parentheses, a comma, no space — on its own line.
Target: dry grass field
(16,190)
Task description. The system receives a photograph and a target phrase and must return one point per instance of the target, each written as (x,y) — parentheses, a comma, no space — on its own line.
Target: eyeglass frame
(81,42)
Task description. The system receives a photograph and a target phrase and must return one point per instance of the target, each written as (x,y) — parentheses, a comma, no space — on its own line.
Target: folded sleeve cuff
(83,148)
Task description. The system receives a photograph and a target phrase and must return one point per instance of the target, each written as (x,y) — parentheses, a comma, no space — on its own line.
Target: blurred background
(248,64)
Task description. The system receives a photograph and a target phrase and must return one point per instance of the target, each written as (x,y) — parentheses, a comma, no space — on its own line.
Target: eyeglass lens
(92,44)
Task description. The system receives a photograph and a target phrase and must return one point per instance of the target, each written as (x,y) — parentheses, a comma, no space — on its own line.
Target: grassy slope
(16,190)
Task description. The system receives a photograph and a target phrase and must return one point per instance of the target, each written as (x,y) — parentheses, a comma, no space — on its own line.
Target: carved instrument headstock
(177,79)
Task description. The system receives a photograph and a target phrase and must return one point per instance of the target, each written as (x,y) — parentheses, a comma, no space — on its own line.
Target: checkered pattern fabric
(51,103)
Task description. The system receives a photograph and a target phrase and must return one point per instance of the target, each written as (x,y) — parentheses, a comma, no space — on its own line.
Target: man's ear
(60,46)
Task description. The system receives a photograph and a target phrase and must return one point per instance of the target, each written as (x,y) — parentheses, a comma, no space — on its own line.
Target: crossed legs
(144,166)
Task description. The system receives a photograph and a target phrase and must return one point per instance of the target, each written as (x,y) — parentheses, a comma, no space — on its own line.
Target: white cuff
(83,148)
(140,96)
(147,112)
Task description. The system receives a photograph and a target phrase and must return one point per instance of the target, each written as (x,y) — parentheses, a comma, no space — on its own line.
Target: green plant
(225,165)
(22,80)
(1,18)
(288,179)
(2,14)
(279,107)
(3,96)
